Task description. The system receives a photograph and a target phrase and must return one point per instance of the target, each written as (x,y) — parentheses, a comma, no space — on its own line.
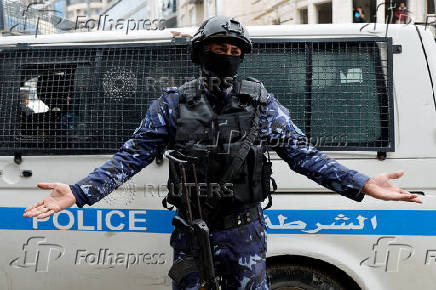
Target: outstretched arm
(138,152)
(304,158)
(135,154)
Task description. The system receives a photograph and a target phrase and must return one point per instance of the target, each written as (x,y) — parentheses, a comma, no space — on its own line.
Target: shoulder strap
(259,94)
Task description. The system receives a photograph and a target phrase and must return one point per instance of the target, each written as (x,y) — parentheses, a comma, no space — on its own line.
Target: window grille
(90,99)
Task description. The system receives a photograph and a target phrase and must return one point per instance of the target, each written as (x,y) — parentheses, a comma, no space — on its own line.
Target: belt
(235,220)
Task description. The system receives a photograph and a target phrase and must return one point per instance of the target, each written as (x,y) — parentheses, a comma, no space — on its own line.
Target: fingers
(39,203)
(411,196)
(403,191)
(29,211)
(46,214)
(413,199)
(398,194)
(34,212)
(406,196)
(41,211)
(417,200)
(46,185)
(395,175)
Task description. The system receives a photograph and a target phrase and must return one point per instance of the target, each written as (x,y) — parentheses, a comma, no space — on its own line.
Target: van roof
(269,31)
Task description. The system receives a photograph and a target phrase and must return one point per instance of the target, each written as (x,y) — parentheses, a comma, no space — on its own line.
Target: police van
(364,94)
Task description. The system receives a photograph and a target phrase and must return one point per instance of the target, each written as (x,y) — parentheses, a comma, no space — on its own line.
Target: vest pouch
(251,190)
(192,129)
(174,184)
(227,126)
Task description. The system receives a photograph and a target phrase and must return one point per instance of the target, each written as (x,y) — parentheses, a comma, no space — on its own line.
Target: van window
(89,99)
(338,93)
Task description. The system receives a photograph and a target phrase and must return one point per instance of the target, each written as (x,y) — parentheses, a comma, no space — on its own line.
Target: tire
(307,277)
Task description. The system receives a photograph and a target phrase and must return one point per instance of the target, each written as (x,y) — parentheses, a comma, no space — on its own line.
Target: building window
(210,8)
(430,7)
(325,13)
(182,20)
(304,19)
(193,18)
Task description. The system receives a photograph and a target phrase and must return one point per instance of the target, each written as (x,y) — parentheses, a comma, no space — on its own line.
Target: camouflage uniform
(240,252)
(239,256)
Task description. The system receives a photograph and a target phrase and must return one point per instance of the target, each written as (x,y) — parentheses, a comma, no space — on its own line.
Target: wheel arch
(342,274)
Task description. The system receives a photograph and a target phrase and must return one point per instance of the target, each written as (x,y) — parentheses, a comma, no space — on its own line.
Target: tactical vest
(215,140)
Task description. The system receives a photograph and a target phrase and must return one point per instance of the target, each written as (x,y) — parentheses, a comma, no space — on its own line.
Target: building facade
(285,12)
(88,8)
(169,12)
(190,12)
(135,9)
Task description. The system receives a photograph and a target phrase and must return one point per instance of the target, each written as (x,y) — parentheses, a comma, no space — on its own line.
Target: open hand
(59,199)
(380,187)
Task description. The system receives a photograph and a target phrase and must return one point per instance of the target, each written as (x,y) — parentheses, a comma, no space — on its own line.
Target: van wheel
(304,277)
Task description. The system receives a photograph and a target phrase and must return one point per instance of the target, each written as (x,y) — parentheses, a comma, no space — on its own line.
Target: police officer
(189,118)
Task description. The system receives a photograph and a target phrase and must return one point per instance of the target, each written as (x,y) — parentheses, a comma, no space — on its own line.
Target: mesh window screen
(338,92)
(82,100)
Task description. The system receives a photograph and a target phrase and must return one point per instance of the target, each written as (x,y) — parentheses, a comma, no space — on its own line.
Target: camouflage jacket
(159,127)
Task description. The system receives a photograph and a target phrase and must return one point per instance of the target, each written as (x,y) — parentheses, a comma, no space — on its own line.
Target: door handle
(417,192)
(26,173)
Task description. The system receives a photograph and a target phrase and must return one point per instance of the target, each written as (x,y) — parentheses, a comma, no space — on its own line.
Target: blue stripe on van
(347,222)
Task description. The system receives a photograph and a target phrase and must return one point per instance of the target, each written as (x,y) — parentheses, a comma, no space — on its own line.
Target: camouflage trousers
(239,256)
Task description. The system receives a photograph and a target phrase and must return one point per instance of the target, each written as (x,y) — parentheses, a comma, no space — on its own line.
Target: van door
(65,110)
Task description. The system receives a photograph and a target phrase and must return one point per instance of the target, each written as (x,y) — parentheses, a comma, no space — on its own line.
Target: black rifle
(201,259)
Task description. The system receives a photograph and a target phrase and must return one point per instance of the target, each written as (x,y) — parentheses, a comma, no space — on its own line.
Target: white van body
(392,245)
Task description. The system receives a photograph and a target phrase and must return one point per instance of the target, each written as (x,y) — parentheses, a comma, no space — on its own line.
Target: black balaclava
(222,66)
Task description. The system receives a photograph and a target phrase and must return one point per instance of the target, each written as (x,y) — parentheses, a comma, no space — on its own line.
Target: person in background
(400,14)
(358,15)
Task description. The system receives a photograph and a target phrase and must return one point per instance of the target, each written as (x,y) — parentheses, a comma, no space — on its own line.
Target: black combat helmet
(223,29)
